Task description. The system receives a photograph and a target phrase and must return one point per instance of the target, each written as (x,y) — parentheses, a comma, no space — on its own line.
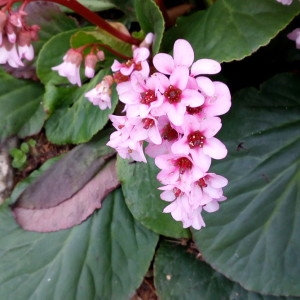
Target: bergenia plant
(165,161)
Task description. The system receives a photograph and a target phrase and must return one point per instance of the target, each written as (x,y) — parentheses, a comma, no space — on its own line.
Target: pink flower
(215,105)
(199,141)
(139,95)
(101,94)
(208,192)
(176,168)
(285,2)
(168,135)
(180,207)
(295,36)
(177,96)
(183,55)
(71,66)
(9,54)
(137,63)
(121,139)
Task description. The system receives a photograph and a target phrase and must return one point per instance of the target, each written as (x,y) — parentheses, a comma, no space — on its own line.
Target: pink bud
(100,55)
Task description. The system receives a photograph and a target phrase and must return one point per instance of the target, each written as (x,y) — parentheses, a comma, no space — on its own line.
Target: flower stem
(96,19)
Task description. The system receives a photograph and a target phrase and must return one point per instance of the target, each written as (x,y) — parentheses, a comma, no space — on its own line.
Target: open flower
(70,67)
(101,94)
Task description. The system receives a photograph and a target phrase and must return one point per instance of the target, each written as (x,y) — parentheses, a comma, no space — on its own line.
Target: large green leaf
(139,185)
(75,119)
(180,275)
(150,22)
(232,29)
(21,111)
(254,237)
(105,257)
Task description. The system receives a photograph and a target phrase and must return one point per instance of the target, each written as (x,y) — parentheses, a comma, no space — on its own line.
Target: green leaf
(105,257)
(77,120)
(150,22)
(232,29)
(180,275)
(139,185)
(94,36)
(20,101)
(253,238)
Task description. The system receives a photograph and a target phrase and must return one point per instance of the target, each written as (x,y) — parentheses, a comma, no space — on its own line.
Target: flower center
(173,94)
(201,182)
(119,77)
(177,192)
(148,97)
(196,139)
(183,164)
(193,110)
(169,133)
(148,123)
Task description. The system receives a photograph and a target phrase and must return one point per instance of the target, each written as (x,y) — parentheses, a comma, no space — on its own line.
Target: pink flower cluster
(15,38)
(172,115)
(70,67)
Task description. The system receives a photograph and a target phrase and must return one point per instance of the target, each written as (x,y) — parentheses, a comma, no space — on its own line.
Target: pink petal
(205,66)
(214,148)
(183,53)
(179,77)
(192,98)
(205,85)
(164,63)
(220,103)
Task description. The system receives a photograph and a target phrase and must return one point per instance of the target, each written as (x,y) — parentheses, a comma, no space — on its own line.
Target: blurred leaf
(75,119)
(105,257)
(20,107)
(94,36)
(232,29)
(253,239)
(139,185)
(50,19)
(69,175)
(74,210)
(150,22)
(180,275)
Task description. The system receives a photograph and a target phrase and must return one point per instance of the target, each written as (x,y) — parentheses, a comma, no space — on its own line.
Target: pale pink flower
(177,95)
(121,139)
(295,36)
(70,68)
(137,63)
(101,94)
(25,48)
(198,140)
(90,62)
(9,54)
(285,2)
(183,55)
(208,191)
(176,168)
(168,134)
(140,95)
(145,129)
(180,207)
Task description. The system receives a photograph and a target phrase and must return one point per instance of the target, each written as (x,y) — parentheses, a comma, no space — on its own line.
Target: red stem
(95,19)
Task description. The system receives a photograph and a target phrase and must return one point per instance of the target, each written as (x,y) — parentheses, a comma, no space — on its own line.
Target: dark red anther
(183,164)
(148,123)
(196,139)
(173,94)
(148,97)
(169,133)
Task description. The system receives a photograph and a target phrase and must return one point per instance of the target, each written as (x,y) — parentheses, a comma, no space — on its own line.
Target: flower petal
(205,66)
(183,53)
(164,63)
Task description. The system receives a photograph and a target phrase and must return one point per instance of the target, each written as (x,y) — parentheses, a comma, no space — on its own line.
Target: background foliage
(249,248)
